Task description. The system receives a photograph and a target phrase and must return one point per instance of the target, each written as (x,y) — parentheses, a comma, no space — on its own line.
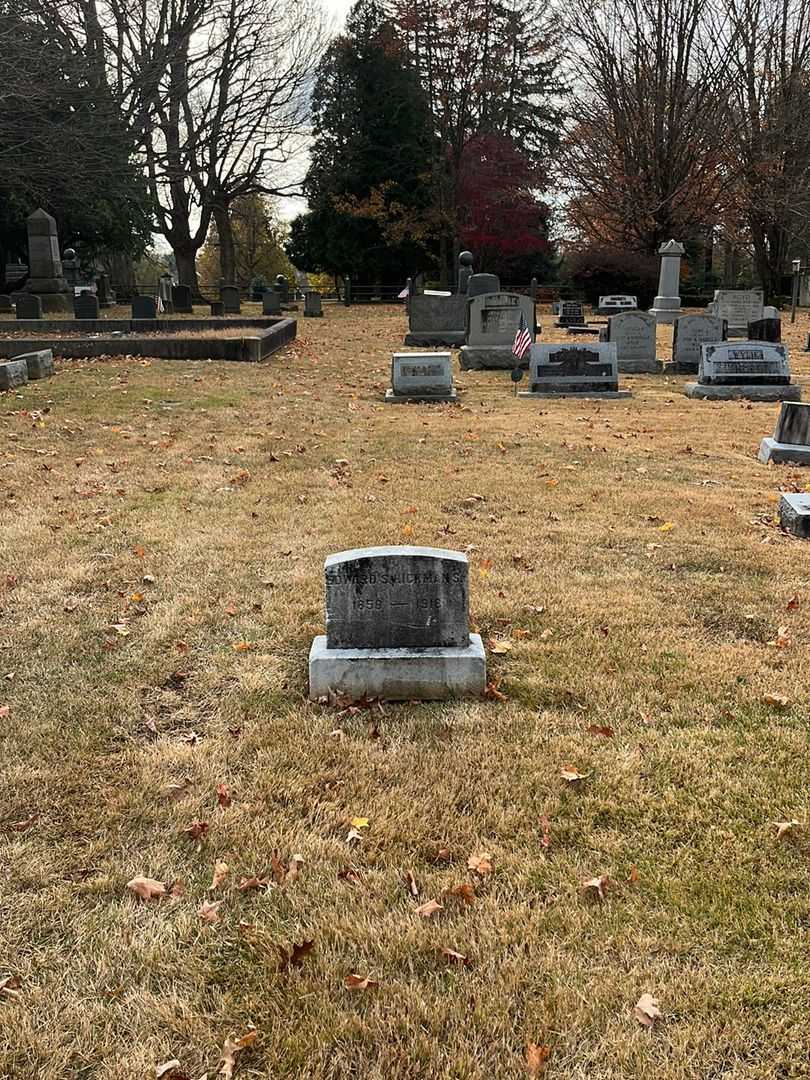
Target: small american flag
(523,339)
(404,294)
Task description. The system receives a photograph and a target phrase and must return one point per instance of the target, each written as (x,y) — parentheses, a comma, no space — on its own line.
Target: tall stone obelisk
(45,278)
(667,305)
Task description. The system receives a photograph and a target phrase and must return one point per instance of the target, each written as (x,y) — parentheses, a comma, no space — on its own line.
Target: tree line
(503,126)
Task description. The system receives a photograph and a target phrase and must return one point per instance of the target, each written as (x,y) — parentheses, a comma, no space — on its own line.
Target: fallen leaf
(5,711)
(545,839)
(485,566)
(348,873)
(227,1062)
(221,871)
(499,647)
(254,882)
(793,603)
(782,639)
(594,888)
(208,911)
(480,862)
(10,986)
(572,775)
(294,869)
(536,1058)
(455,957)
(603,730)
(25,824)
(359,982)
(778,700)
(243,646)
(170,1070)
(633,875)
(492,691)
(785,828)
(197,830)
(429,909)
(464,892)
(407,531)
(668,526)
(147,888)
(297,954)
(224,795)
(646,1010)
(359,823)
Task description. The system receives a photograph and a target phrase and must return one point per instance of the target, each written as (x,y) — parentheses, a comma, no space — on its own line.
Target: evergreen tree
(370,208)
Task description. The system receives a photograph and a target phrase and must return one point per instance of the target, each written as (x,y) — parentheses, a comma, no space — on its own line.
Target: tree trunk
(227,245)
(185,257)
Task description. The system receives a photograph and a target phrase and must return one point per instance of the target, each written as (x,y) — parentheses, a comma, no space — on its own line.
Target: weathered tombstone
(6,306)
(465,271)
(46,279)
(85,306)
(397,627)
(754,370)
(231,302)
(770,312)
(104,292)
(667,305)
(791,437)
(633,334)
(282,287)
(613,305)
(569,313)
(574,370)
(312,305)
(794,513)
(13,373)
(217,307)
(165,294)
(271,302)
(436,320)
(492,323)
(29,306)
(181,299)
(738,307)
(692,331)
(479,284)
(144,307)
(421,377)
(39,365)
(765,330)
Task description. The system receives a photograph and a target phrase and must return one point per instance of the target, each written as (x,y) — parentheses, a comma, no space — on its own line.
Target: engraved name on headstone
(692,331)
(634,335)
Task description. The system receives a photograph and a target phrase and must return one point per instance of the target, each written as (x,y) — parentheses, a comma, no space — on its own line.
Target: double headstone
(421,377)
(791,438)
(574,370)
(493,320)
(397,627)
(569,313)
(29,306)
(231,302)
(85,306)
(755,370)
(634,335)
(271,302)
(144,307)
(181,299)
(312,305)
(614,304)
(692,331)
(738,307)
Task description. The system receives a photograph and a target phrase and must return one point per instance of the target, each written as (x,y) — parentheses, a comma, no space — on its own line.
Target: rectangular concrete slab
(39,364)
(794,513)
(783,453)
(756,392)
(13,373)
(434,674)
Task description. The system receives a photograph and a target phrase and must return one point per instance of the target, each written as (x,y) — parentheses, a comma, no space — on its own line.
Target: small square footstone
(421,377)
(794,513)
(397,627)
(13,373)
(39,365)
(753,370)
(85,306)
(574,370)
(28,306)
(144,307)
(791,438)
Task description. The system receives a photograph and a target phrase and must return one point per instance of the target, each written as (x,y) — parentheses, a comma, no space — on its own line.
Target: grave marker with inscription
(492,322)
(397,627)
(613,305)
(754,370)
(738,307)
(313,309)
(569,313)
(692,331)
(421,377)
(634,335)
(574,370)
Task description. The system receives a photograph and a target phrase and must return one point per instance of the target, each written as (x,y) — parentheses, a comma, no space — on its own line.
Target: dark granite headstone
(271,302)
(85,306)
(29,306)
(144,307)
(282,287)
(312,305)
(479,284)
(793,425)
(181,299)
(231,304)
(217,307)
(6,306)
(765,330)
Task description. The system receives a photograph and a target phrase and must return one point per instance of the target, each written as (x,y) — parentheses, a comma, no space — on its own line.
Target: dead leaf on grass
(793,603)
(646,1010)
(595,888)
(359,982)
(601,729)
(348,873)
(480,862)
(632,877)
(25,824)
(454,957)
(297,954)
(536,1058)
(572,775)
(224,795)
(429,909)
(208,911)
(147,888)
(197,830)
(499,646)
(465,892)
(10,986)
(786,829)
(170,1070)
(352,835)
(410,883)
(221,871)
(233,1046)
(779,701)
(247,883)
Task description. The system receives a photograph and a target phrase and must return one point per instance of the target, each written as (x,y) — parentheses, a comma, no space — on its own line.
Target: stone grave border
(269,335)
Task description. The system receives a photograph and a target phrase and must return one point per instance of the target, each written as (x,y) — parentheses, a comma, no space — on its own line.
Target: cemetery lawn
(164,527)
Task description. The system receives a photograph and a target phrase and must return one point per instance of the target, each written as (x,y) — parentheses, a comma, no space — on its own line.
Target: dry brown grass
(221,482)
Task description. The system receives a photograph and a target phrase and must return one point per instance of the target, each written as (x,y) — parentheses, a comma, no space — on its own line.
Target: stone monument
(667,305)
(574,370)
(794,513)
(45,278)
(570,313)
(271,302)
(465,270)
(612,305)
(39,365)
(397,627)
(738,307)
(144,307)
(692,331)
(492,322)
(85,306)
(479,284)
(634,335)
(230,299)
(29,306)
(765,329)
(754,370)
(791,438)
(313,309)
(421,377)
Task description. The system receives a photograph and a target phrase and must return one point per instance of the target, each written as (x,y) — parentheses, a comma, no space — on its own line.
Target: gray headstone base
(494,358)
(12,374)
(794,514)
(415,399)
(39,364)
(779,453)
(453,338)
(398,674)
(681,367)
(641,367)
(747,392)
(609,394)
